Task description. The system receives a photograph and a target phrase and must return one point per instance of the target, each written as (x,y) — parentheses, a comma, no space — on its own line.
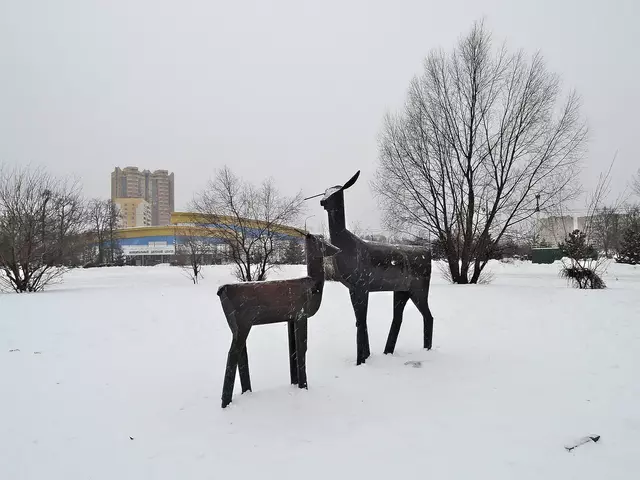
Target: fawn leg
(400,299)
(230,372)
(301,349)
(243,362)
(360,302)
(293,357)
(422,303)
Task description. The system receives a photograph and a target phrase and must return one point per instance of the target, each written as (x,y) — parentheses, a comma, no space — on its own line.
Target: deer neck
(315,270)
(337,222)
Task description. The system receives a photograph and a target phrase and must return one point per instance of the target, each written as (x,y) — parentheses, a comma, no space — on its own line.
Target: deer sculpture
(365,267)
(258,303)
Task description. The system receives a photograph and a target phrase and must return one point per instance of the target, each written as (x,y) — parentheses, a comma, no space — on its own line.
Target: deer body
(365,267)
(381,267)
(259,303)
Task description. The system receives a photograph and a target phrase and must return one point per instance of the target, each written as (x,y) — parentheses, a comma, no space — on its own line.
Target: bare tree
(635,183)
(482,133)
(105,221)
(97,219)
(68,221)
(605,230)
(40,218)
(114,223)
(193,247)
(248,219)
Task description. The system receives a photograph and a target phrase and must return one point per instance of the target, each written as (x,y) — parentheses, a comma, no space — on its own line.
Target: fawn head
(318,247)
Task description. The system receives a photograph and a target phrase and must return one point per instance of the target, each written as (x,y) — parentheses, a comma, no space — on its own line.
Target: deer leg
(243,363)
(422,303)
(360,302)
(293,357)
(301,350)
(400,299)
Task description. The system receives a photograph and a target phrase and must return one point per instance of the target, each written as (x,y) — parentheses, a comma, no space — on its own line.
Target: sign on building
(152,248)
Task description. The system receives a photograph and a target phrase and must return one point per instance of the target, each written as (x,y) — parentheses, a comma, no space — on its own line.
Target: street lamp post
(305,221)
(537,229)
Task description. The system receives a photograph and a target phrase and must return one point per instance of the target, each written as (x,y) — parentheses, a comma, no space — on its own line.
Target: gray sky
(292,89)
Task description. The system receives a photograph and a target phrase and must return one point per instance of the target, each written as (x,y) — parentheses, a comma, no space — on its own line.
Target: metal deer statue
(365,267)
(258,303)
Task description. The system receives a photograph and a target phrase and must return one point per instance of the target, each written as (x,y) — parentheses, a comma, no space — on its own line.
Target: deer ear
(351,181)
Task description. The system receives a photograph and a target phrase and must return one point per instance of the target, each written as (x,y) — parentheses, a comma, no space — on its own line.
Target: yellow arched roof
(185,223)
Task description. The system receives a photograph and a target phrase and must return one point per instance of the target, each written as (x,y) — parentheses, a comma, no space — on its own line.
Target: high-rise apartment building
(129,182)
(161,193)
(157,188)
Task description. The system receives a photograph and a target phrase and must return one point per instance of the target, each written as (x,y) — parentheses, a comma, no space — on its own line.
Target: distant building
(553,230)
(156,188)
(161,194)
(135,212)
(129,182)
(162,244)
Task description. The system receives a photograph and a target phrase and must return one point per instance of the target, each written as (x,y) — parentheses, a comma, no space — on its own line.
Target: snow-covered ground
(117,374)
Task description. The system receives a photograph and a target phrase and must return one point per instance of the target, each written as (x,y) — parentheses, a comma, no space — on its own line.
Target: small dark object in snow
(37,353)
(414,363)
(582,441)
(14,350)
(130,438)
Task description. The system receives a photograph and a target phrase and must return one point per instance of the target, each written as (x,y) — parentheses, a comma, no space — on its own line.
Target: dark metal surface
(365,267)
(258,303)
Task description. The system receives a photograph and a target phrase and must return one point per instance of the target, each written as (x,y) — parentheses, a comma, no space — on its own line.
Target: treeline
(47,227)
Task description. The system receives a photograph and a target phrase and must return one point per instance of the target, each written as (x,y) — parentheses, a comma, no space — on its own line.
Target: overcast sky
(291,89)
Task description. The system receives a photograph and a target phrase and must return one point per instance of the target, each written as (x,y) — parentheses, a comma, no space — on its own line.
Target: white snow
(330,191)
(520,368)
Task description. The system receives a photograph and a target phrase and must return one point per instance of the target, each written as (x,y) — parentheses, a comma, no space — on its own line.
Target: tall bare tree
(483,132)
(248,219)
(635,184)
(40,219)
(606,232)
(105,221)
(69,215)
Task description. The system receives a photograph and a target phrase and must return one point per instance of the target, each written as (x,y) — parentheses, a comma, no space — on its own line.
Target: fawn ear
(330,250)
(351,181)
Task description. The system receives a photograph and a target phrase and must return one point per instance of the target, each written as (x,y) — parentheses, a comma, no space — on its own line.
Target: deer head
(333,198)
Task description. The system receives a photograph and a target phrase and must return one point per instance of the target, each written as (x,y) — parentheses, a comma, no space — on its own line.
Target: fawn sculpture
(365,267)
(258,303)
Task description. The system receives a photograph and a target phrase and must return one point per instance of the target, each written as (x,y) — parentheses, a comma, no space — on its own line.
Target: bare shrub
(41,218)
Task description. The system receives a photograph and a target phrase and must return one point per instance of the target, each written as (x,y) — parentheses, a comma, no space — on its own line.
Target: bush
(294,254)
(330,271)
(584,267)
(582,277)
(576,247)
(630,246)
